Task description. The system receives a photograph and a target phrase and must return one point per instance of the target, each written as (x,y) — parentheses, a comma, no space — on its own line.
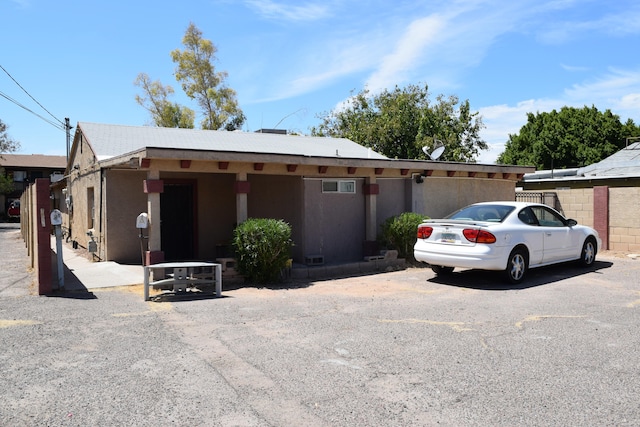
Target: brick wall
(35,226)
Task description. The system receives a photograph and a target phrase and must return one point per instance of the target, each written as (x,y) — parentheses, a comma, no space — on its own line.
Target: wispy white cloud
(573,68)
(627,22)
(411,49)
(610,89)
(22,3)
(280,11)
(339,60)
(440,45)
(631,104)
(617,23)
(434,49)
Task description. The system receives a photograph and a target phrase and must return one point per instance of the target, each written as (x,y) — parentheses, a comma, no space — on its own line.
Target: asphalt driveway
(399,348)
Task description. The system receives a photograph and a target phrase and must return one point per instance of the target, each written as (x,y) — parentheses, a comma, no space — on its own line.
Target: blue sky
(290,61)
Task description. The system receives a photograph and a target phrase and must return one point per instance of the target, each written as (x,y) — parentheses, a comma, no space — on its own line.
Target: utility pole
(631,138)
(67,128)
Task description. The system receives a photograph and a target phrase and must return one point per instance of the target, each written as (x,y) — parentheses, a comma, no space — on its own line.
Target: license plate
(448,237)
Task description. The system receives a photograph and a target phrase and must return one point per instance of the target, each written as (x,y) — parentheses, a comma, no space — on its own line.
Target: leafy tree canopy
(569,138)
(200,82)
(6,182)
(155,99)
(7,144)
(399,123)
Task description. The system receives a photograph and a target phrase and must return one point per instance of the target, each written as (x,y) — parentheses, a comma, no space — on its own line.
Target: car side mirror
(572,222)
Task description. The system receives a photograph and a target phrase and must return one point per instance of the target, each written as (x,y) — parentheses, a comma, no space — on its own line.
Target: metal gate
(548,198)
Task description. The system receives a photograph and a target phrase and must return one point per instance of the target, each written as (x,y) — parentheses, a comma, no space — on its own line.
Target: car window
(526,216)
(490,213)
(547,218)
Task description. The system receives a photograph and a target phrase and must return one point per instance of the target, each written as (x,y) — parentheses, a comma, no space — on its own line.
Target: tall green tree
(630,132)
(202,83)
(569,138)
(155,99)
(6,182)
(7,144)
(399,123)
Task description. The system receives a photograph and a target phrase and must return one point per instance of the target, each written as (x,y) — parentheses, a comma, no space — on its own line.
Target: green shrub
(399,232)
(263,248)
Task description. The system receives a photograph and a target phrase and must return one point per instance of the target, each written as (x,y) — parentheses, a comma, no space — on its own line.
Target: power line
(52,123)
(60,125)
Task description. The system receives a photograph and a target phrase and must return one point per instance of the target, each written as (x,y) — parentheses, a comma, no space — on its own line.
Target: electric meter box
(142,221)
(56,217)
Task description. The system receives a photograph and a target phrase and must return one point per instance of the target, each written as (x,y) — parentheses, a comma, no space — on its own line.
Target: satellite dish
(437,152)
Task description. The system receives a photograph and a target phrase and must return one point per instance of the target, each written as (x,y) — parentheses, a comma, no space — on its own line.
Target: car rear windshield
(490,213)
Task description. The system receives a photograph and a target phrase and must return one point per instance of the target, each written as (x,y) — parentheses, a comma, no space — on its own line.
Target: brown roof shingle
(33,161)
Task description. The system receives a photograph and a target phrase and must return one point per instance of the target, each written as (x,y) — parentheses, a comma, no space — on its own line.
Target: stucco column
(153,186)
(371,191)
(242,188)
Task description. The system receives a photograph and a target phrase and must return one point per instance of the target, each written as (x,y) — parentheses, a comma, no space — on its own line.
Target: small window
(19,176)
(91,210)
(547,218)
(329,186)
(527,216)
(338,186)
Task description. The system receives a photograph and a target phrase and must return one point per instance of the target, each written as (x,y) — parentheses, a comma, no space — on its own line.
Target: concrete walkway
(82,274)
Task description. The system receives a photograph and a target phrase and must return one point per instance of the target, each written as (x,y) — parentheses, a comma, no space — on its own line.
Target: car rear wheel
(516,266)
(588,253)
(439,269)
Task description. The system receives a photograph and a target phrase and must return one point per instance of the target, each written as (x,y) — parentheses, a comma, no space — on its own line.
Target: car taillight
(424,232)
(478,236)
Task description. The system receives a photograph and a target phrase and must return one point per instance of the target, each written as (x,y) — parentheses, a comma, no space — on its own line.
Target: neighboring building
(604,195)
(197,185)
(24,169)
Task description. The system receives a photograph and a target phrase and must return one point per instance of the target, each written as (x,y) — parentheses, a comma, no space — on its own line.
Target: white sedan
(504,236)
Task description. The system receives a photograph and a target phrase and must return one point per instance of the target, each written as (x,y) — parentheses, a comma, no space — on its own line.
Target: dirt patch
(618,254)
(410,280)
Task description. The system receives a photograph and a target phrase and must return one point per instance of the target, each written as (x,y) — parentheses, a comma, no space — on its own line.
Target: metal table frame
(183,276)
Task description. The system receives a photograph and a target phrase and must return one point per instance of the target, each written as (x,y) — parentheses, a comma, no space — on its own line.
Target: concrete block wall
(577,204)
(623,218)
(624,221)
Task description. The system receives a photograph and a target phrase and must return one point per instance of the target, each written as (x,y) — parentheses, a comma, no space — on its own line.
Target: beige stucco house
(197,185)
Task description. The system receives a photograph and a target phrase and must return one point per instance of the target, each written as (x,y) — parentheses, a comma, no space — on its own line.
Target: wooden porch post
(242,188)
(153,186)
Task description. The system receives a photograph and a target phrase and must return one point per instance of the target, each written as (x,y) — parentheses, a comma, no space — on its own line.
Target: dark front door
(177,210)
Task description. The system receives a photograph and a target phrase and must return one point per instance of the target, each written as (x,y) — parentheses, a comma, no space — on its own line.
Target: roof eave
(129,160)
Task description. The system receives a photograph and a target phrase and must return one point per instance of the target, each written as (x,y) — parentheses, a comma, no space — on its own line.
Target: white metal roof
(622,164)
(625,162)
(114,140)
